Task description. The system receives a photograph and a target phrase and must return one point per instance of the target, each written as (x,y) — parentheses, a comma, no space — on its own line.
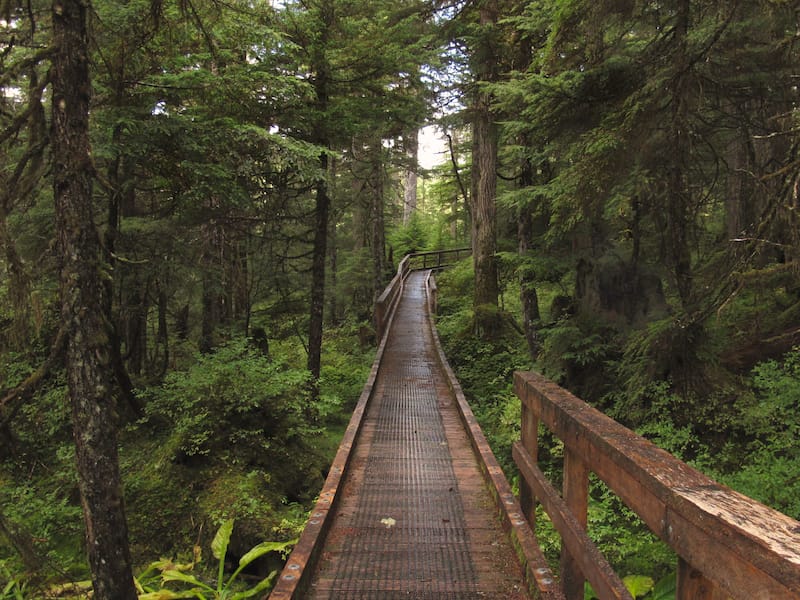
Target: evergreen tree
(83,309)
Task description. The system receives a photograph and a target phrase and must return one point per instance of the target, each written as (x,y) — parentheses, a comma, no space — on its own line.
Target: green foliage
(347,358)
(578,351)
(233,436)
(235,397)
(354,290)
(769,468)
(43,503)
(15,586)
(484,368)
(153,583)
(665,588)
(415,236)
(642,587)
(626,542)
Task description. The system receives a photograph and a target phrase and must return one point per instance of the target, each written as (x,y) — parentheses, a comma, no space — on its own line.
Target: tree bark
(527,282)
(529,298)
(410,179)
(484,165)
(316,321)
(333,265)
(322,203)
(679,211)
(211,304)
(83,310)
(378,244)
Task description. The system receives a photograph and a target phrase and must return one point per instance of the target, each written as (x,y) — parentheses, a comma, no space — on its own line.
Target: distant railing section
(436,259)
(728,545)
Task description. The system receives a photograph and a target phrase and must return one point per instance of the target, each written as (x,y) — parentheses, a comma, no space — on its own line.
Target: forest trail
(416,519)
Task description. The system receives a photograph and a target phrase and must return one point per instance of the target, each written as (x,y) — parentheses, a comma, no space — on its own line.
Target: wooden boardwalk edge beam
(538,575)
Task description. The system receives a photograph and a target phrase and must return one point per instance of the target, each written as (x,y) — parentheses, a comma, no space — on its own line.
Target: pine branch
(27,388)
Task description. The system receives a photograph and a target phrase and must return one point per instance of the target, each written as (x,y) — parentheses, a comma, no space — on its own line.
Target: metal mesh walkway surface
(416,520)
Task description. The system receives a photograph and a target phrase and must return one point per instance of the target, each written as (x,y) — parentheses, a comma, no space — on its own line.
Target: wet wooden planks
(416,519)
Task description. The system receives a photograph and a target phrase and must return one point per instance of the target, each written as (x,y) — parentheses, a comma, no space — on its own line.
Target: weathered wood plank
(529,436)
(576,498)
(749,550)
(693,585)
(587,558)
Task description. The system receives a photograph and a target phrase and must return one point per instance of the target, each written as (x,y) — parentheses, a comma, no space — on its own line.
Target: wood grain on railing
(728,545)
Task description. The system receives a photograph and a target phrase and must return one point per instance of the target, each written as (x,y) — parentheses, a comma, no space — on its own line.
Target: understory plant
(167,580)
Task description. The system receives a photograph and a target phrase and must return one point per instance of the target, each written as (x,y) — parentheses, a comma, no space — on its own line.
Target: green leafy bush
(233,436)
(236,404)
(768,467)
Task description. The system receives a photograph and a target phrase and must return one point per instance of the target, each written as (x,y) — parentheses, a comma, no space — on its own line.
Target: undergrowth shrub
(484,367)
(768,467)
(234,399)
(233,436)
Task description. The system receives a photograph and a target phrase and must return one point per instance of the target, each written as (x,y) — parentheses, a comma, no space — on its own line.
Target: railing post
(576,495)
(529,436)
(379,316)
(693,585)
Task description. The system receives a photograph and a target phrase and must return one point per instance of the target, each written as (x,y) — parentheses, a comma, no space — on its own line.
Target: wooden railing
(728,545)
(436,259)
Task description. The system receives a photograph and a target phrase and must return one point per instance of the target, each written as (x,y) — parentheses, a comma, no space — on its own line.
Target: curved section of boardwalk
(416,520)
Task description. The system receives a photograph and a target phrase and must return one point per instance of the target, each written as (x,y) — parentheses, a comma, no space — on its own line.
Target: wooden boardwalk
(414,516)
(416,506)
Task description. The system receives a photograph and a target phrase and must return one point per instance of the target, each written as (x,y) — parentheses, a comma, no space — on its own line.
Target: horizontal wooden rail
(388,299)
(728,545)
(416,261)
(438,259)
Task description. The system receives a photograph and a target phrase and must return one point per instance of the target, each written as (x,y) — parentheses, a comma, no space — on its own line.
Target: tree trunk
(410,180)
(333,308)
(211,305)
(316,321)
(83,310)
(484,166)
(679,212)
(378,225)
(162,335)
(19,291)
(529,298)
(133,314)
(321,137)
(527,282)
(121,375)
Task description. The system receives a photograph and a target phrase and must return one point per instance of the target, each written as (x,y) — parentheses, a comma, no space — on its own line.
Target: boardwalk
(416,506)
(416,519)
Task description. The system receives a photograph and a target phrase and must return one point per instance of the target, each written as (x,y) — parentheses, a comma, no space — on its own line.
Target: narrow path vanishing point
(416,520)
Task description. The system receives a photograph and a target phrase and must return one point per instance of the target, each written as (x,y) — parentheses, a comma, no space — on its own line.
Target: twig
(456,171)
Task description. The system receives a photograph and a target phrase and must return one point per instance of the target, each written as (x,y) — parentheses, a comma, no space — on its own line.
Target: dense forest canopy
(200,201)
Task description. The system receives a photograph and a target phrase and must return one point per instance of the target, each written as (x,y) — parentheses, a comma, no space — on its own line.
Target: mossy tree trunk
(484,168)
(322,201)
(83,310)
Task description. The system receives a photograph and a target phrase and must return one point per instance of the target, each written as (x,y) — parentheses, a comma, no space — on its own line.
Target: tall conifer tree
(83,310)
